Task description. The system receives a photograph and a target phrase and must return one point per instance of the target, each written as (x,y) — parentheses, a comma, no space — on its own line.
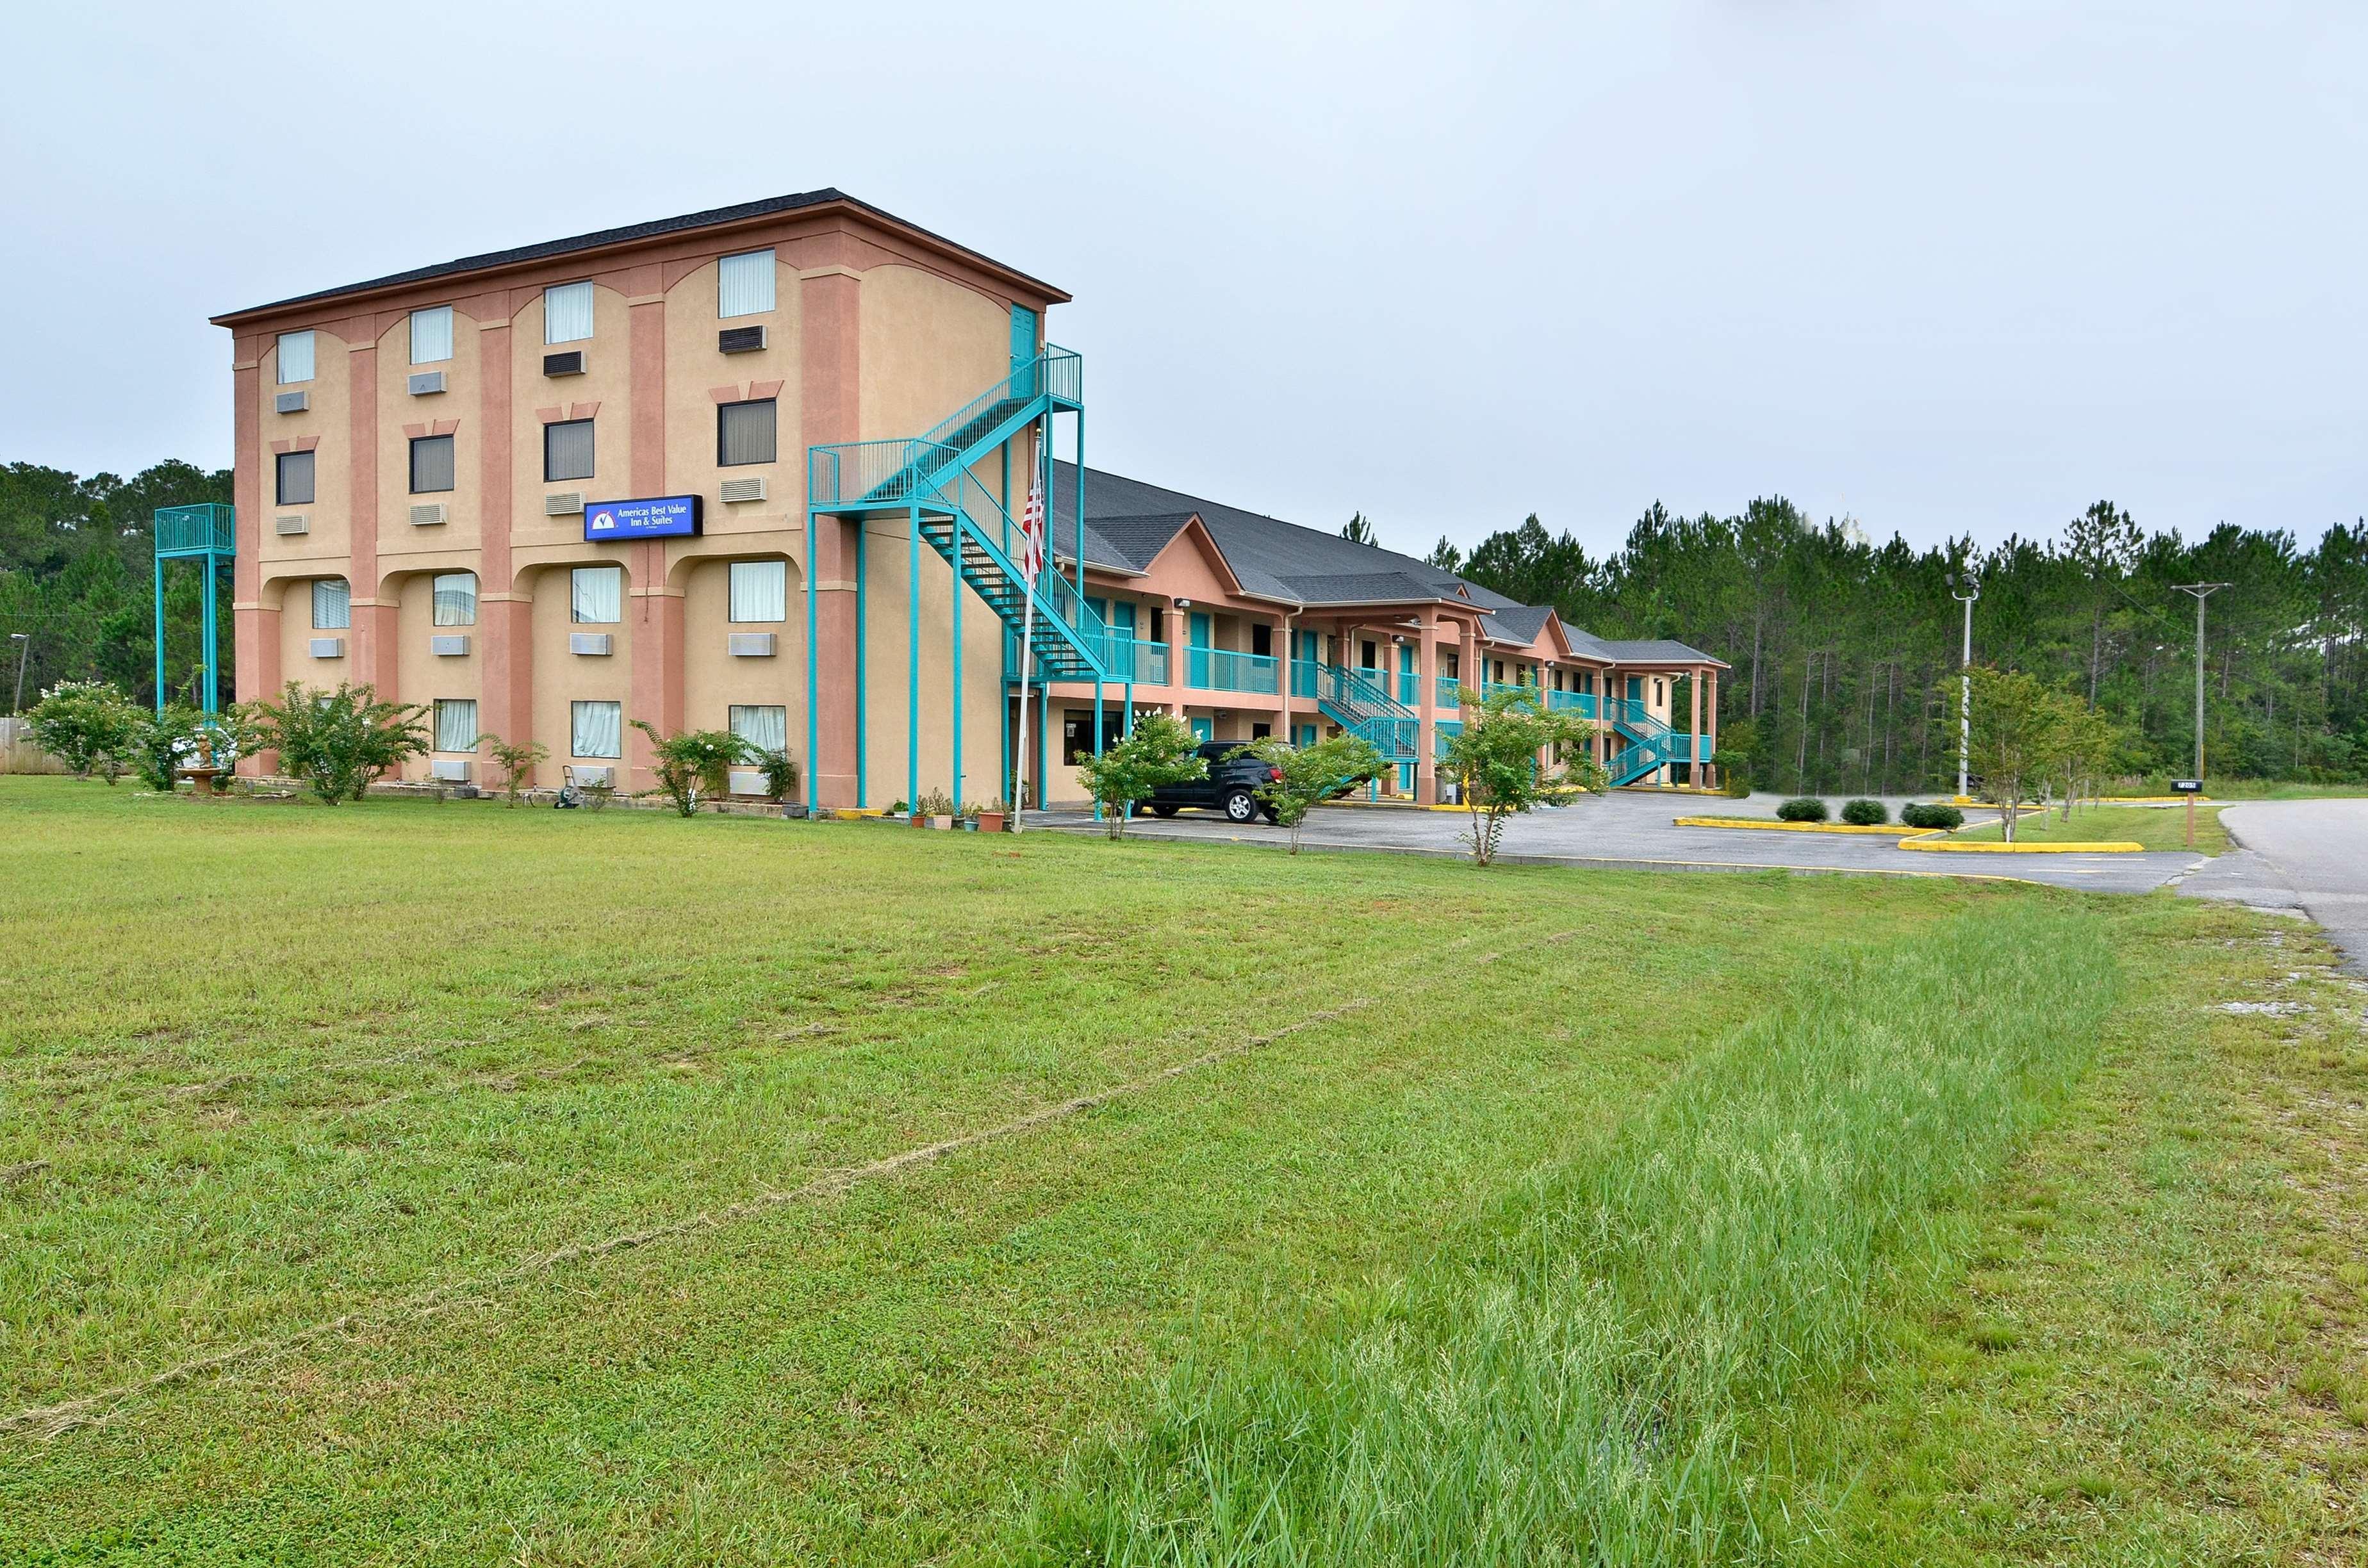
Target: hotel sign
(664,516)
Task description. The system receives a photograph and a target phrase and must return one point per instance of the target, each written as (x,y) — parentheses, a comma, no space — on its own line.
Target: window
(431,464)
(743,433)
(295,358)
(568,449)
(1262,639)
(567,312)
(455,599)
(596,729)
(456,724)
(332,602)
(743,284)
(431,335)
(1369,652)
(597,597)
(766,728)
(294,472)
(760,590)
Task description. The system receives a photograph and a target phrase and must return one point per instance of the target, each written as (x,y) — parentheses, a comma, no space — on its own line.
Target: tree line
(1844,650)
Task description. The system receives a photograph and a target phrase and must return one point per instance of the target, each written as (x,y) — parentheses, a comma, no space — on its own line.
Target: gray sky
(1942,267)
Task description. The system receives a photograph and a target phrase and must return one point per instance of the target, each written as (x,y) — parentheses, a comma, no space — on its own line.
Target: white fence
(19,755)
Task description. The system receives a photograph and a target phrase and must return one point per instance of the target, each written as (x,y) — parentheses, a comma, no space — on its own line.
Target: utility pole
(2201,591)
(1965,682)
(24,641)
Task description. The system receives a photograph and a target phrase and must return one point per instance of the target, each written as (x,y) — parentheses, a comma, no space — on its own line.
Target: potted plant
(993,817)
(939,808)
(970,815)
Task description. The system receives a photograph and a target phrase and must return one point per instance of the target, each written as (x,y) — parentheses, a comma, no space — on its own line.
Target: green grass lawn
(419,1183)
(2155,827)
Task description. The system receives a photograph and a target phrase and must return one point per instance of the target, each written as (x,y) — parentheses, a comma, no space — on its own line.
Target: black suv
(1231,786)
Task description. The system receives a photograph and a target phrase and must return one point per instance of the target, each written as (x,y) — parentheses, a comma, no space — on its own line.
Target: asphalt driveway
(2310,856)
(1633,829)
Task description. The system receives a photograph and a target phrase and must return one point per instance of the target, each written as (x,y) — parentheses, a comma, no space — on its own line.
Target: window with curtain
(743,433)
(568,449)
(766,728)
(456,724)
(596,729)
(295,358)
(431,464)
(743,284)
(598,596)
(431,335)
(293,474)
(567,312)
(332,603)
(760,590)
(455,599)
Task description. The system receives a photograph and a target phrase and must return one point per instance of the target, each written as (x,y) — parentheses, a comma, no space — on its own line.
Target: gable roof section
(1658,651)
(599,239)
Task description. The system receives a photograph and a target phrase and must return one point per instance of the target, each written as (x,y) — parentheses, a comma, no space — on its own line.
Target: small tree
(781,775)
(341,742)
(1495,762)
(2085,742)
(184,735)
(1312,775)
(2016,725)
(1160,751)
(515,761)
(86,725)
(693,761)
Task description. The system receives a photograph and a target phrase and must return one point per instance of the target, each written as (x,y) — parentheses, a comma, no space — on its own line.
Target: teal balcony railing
(1056,374)
(1222,669)
(196,529)
(1579,702)
(1409,686)
(856,472)
(1448,687)
(1134,659)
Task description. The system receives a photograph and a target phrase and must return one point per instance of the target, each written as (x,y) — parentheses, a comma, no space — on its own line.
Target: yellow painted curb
(1959,846)
(2153,800)
(1757,824)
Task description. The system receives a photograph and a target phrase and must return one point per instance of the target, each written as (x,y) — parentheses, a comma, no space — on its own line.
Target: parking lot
(1632,828)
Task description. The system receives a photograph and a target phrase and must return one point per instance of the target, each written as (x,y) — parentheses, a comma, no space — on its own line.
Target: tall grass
(1602,1377)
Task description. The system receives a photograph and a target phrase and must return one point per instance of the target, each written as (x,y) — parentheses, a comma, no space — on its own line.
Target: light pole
(2201,591)
(1965,682)
(24,641)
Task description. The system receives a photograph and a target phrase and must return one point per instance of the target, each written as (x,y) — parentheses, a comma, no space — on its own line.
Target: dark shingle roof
(1654,650)
(628,232)
(1521,623)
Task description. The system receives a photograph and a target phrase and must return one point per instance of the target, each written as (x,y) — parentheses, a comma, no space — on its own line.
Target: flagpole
(1029,558)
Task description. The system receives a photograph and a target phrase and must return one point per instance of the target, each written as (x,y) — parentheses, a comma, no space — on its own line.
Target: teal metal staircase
(1651,743)
(1364,707)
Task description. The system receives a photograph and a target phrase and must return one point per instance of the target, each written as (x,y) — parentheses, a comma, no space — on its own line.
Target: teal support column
(955,765)
(158,606)
(1080,533)
(862,661)
(813,722)
(1098,732)
(213,640)
(912,658)
(1043,728)
(1003,780)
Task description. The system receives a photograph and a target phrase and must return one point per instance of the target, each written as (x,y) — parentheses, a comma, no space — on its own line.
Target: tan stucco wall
(328,419)
(608,382)
(401,545)
(929,346)
(562,677)
(694,367)
(294,597)
(713,679)
(424,677)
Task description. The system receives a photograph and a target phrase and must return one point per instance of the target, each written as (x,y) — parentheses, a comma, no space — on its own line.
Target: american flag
(1032,531)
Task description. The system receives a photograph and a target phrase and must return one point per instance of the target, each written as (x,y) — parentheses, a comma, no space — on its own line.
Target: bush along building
(758,469)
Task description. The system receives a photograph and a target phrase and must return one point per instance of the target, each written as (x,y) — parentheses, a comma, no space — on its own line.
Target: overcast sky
(1942,268)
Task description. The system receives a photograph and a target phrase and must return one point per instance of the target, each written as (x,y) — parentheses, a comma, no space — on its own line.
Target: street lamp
(24,641)
(2201,591)
(1973,590)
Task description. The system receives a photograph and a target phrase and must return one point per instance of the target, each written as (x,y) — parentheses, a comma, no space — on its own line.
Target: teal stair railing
(1652,743)
(1363,707)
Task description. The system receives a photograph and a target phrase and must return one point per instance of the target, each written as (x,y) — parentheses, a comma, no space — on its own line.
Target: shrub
(1935,815)
(694,761)
(1865,814)
(1161,750)
(161,745)
(87,726)
(1737,786)
(515,761)
(1307,777)
(781,772)
(339,742)
(1802,807)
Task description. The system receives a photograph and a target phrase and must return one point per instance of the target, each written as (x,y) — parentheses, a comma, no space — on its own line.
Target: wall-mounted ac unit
(449,646)
(423,383)
(747,781)
(568,364)
(292,403)
(584,776)
(424,517)
(562,504)
(329,647)
(740,339)
(449,769)
(594,643)
(292,523)
(752,645)
(743,489)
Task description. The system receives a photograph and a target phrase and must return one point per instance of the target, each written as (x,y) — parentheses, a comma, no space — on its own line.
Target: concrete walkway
(2307,856)
(1633,829)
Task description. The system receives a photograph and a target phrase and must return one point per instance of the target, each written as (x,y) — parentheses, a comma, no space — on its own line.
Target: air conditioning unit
(423,516)
(744,490)
(292,523)
(329,647)
(454,646)
(584,776)
(292,403)
(563,504)
(594,643)
(449,769)
(423,383)
(568,364)
(740,339)
(752,645)
(747,781)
